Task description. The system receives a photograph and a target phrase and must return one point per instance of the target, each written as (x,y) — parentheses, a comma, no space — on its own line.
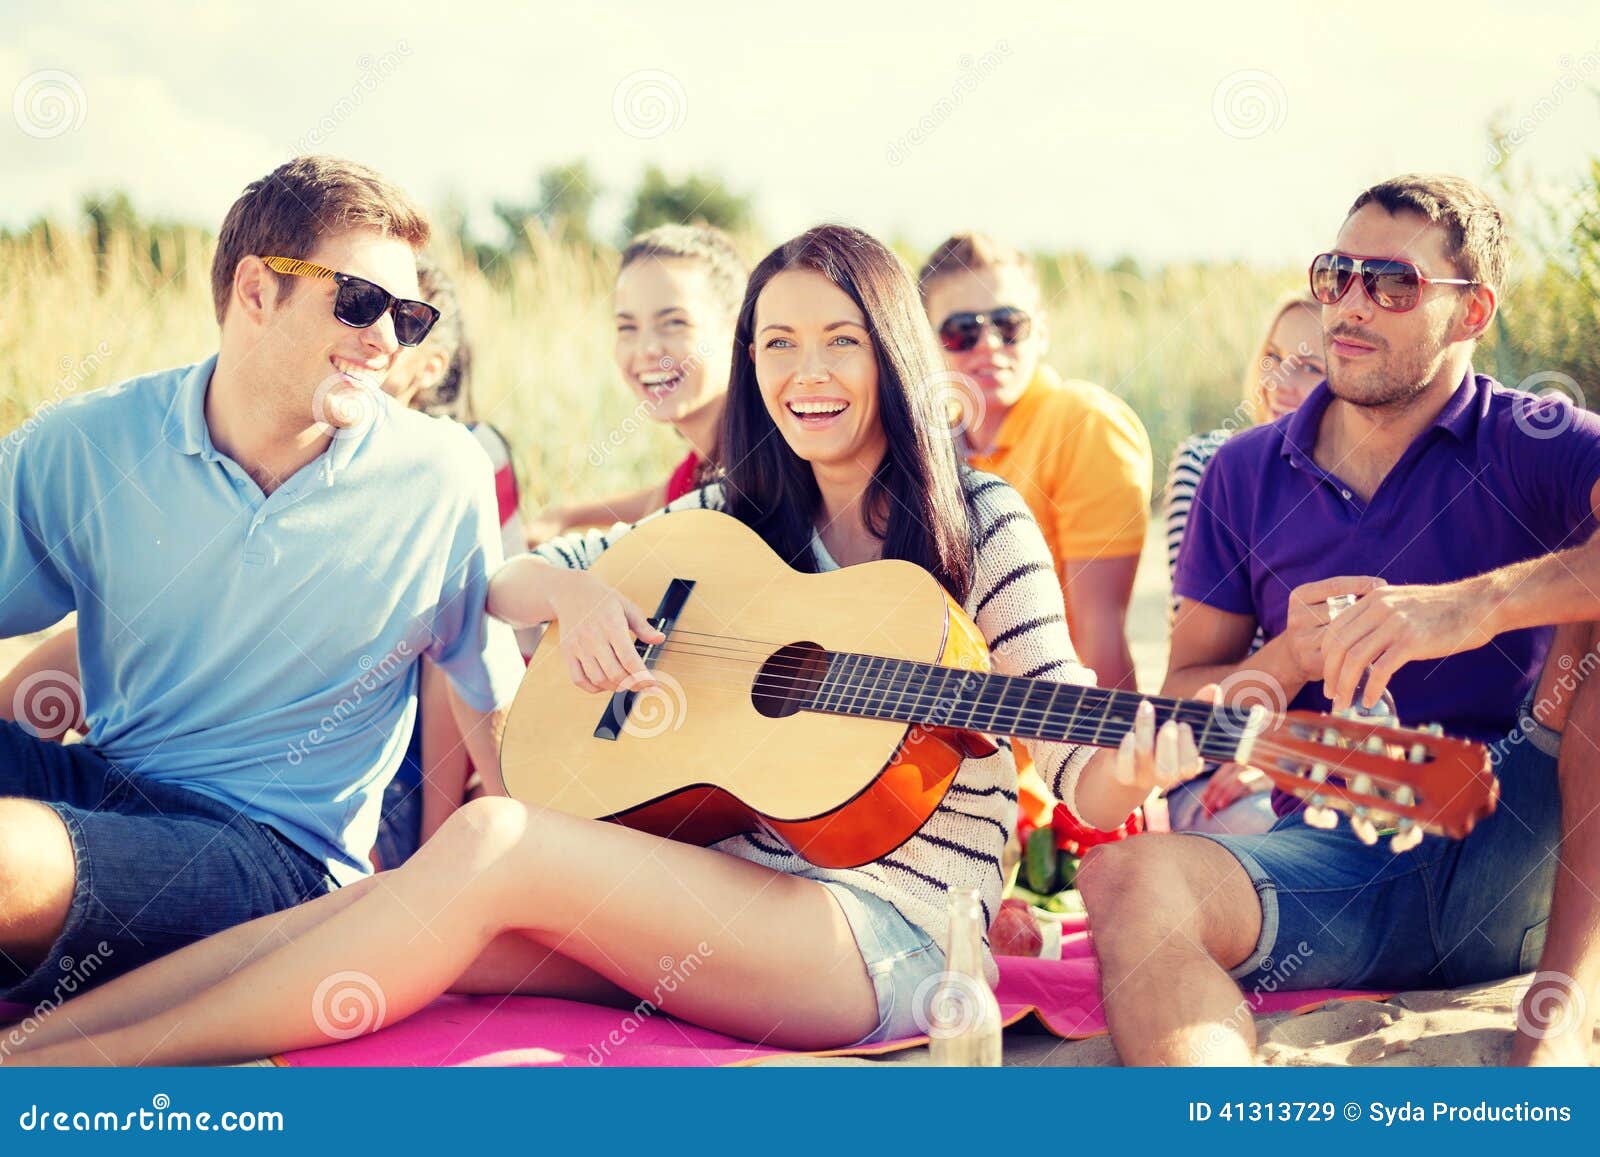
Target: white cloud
(1097,129)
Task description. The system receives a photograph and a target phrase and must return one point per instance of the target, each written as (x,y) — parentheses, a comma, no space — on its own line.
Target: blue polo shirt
(260,650)
(1499,477)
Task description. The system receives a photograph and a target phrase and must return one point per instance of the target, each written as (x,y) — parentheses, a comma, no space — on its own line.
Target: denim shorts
(900,959)
(400,825)
(400,829)
(158,866)
(1336,913)
(1249,814)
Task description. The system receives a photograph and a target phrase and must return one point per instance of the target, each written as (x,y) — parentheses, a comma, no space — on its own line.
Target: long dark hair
(915,502)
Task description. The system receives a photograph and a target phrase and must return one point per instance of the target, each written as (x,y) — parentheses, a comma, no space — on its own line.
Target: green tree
(567,194)
(698,198)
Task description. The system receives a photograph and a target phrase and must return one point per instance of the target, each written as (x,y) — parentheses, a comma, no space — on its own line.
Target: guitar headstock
(1414,779)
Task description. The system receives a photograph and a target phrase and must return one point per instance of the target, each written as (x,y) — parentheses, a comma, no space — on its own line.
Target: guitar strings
(780,676)
(777,675)
(761,655)
(928,700)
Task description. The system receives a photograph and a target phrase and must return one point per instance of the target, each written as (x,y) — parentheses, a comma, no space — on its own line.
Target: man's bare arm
(480,734)
(1393,626)
(1098,592)
(58,654)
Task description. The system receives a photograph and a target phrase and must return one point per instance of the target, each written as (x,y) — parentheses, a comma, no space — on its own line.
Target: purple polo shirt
(1501,476)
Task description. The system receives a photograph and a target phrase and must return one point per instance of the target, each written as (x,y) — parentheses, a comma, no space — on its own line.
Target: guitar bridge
(614,719)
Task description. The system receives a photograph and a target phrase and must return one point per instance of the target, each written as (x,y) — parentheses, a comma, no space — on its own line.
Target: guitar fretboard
(876,687)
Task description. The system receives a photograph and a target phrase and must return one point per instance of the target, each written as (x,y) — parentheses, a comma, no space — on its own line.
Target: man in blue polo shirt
(1460,514)
(260,548)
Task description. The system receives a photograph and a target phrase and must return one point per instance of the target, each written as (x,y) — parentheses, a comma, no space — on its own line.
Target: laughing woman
(831,353)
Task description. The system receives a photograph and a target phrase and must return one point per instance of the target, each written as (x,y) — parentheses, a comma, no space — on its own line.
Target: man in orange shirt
(1077,453)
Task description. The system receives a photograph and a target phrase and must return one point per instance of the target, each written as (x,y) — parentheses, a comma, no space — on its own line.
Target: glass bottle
(963,1015)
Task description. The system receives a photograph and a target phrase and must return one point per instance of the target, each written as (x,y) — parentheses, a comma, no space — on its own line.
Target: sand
(1465,1026)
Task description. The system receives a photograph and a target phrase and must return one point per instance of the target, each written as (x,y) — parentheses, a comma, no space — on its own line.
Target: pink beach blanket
(1064,995)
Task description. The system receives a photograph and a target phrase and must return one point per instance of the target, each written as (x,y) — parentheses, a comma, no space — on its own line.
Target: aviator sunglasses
(1392,283)
(963,331)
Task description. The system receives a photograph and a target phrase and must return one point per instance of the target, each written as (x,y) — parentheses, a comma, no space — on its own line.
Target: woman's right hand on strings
(598,626)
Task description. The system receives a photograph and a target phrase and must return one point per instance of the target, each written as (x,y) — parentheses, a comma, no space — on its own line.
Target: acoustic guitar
(833,711)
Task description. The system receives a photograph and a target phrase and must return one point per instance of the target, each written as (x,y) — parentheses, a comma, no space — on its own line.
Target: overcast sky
(1167,131)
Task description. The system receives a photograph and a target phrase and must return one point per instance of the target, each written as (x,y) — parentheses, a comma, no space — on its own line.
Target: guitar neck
(874,687)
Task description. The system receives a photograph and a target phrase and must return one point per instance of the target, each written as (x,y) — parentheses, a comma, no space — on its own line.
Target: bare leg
(163,983)
(37,876)
(511,963)
(707,937)
(1171,914)
(1557,1021)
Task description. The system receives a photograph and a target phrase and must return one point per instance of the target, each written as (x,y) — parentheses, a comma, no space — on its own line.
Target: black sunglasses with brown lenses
(1393,283)
(963,331)
(360,303)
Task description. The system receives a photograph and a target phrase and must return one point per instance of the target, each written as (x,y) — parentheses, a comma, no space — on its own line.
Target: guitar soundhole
(789,679)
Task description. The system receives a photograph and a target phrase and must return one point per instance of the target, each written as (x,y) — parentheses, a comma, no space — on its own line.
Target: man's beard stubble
(1397,379)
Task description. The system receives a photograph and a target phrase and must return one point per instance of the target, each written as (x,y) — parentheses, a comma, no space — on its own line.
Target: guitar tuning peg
(1408,837)
(1364,829)
(1324,818)
(1418,753)
(1405,797)
(1434,729)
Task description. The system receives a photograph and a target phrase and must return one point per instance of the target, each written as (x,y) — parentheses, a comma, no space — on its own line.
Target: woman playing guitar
(835,454)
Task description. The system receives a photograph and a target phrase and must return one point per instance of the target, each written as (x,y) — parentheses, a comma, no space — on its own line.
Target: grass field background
(82,306)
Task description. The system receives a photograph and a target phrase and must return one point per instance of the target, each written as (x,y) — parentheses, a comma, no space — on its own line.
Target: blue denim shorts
(400,825)
(1336,913)
(900,959)
(158,866)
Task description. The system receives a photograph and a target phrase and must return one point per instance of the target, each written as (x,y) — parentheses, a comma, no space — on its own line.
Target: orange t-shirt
(1081,460)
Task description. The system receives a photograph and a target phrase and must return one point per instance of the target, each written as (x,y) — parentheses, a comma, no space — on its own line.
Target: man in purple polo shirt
(1460,514)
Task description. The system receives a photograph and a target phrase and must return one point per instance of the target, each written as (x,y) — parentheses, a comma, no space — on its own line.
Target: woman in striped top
(1286,368)
(836,455)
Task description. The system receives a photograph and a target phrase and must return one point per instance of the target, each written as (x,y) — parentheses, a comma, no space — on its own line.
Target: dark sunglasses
(1392,283)
(360,303)
(962,331)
